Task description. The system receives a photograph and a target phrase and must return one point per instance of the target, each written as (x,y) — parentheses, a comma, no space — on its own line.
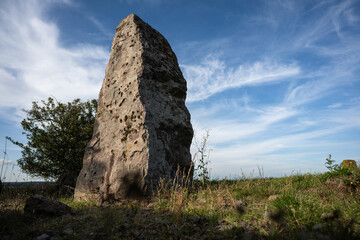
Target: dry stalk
(179,190)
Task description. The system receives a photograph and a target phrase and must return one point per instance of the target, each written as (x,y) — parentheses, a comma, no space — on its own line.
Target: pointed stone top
(132,18)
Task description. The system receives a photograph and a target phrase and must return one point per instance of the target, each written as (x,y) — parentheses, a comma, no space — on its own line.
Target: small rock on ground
(273,197)
(43,237)
(317,227)
(40,205)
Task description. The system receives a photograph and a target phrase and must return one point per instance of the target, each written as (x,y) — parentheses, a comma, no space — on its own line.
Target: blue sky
(276,82)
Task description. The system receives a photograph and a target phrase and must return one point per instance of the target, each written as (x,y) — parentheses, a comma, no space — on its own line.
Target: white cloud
(335,105)
(280,137)
(213,76)
(151,2)
(230,131)
(351,17)
(35,65)
(100,26)
(9,162)
(307,92)
(278,155)
(332,21)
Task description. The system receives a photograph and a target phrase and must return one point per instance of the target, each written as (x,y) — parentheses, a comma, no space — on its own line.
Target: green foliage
(57,135)
(350,176)
(300,182)
(290,203)
(201,165)
(353,178)
(335,170)
(330,164)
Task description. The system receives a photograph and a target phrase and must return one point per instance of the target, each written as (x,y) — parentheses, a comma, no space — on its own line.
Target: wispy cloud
(333,20)
(302,127)
(213,76)
(8,162)
(335,105)
(100,26)
(280,146)
(236,129)
(35,65)
(151,2)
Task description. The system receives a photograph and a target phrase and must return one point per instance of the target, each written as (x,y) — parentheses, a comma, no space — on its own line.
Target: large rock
(40,205)
(142,131)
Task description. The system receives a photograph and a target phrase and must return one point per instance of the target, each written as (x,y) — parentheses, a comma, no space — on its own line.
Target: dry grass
(295,207)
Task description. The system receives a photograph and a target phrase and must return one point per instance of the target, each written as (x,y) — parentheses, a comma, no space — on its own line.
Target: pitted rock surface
(142,131)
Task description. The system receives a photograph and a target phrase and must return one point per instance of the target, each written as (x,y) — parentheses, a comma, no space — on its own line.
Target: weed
(348,175)
(203,160)
(330,164)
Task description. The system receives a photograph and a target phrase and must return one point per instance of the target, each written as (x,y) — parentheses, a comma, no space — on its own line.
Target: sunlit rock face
(142,131)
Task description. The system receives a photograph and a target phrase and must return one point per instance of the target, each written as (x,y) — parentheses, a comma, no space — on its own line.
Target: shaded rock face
(142,130)
(40,205)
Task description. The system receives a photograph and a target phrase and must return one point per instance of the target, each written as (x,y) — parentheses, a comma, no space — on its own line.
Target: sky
(276,83)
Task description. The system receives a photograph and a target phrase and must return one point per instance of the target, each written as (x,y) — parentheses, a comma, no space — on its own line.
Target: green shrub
(350,176)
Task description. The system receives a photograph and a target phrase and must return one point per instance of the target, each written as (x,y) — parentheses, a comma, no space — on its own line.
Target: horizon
(276,83)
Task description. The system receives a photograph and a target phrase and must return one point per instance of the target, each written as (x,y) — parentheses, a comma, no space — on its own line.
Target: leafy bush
(335,170)
(57,135)
(349,175)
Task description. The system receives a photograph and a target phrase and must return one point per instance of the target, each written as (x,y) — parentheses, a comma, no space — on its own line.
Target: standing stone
(142,131)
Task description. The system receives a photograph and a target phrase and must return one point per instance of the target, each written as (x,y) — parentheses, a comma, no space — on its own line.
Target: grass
(296,207)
